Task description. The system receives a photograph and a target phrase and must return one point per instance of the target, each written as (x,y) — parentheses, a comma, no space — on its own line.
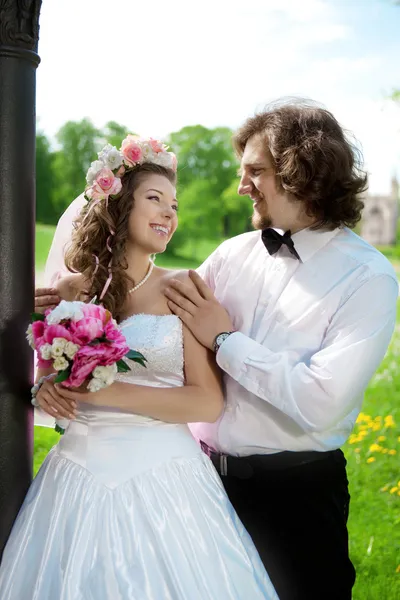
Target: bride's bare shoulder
(71,286)
(179,274)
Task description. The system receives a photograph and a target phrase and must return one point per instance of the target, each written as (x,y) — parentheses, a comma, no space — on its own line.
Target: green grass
(374,524)
(44,236)
(373,453)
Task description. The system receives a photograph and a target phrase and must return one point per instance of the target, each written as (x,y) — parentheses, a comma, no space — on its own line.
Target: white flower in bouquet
(106,374)
(60,363)
(58,347)
(95,168)
(45,351)
(110,157)
(96,384)
(70,350)
(29,336)
(64,311)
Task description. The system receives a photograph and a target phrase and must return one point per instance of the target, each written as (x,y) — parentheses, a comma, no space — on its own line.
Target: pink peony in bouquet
(82,342)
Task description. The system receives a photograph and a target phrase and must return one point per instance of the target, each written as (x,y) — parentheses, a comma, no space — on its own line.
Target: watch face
(221,338)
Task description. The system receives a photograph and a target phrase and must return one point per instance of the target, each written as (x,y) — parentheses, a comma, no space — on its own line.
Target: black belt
(245,467)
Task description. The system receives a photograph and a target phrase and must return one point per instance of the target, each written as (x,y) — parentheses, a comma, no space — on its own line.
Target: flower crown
(104,175)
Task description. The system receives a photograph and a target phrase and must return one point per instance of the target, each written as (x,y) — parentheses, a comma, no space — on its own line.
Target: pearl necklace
(145,278)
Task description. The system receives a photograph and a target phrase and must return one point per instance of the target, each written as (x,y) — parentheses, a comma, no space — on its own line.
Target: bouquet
(83,343)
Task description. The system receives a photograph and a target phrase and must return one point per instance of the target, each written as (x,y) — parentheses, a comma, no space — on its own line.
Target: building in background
(380,217)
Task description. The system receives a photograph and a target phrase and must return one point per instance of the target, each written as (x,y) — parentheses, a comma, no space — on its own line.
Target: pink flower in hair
(174,161)
(131,151)
(105,185)
(156,145)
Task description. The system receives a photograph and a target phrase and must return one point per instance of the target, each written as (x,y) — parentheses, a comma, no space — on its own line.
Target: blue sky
(157,66)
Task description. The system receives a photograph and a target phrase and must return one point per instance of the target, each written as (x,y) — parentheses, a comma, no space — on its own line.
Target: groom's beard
(261,221)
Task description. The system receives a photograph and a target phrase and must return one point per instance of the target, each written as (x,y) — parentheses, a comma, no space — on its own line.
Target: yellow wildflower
(385,451)
(371,459)
(398,569)
(394,489)
(389,421)
(375,448)
(381,438)
(362,417)
(392,452)
(357,450)
(385,488)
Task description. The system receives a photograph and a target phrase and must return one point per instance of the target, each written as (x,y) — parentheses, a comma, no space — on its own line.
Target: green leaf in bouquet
(62,376)
(136,357)
(37,317)
(100,340)
(122,366)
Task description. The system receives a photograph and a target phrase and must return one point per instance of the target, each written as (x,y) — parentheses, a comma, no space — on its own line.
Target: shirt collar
(308,241)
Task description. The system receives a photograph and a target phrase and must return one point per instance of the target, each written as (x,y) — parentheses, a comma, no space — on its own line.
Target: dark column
(19,28)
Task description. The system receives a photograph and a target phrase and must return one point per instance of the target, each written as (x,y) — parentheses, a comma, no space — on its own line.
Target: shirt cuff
(235,351)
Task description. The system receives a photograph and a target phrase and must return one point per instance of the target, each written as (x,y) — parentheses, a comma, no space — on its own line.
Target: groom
(299,321)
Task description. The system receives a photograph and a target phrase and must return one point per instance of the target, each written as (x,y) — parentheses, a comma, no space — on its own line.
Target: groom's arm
(316,393)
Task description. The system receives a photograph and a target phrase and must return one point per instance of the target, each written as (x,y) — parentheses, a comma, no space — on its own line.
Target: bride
(126,506)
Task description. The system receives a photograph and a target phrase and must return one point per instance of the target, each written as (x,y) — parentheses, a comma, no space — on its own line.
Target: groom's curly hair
(92,231)
(314,160)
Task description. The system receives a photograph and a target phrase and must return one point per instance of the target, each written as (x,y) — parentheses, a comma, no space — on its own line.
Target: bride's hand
(53,403)
(73,396)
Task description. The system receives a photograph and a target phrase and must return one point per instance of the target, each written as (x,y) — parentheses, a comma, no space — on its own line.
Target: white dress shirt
(310,334)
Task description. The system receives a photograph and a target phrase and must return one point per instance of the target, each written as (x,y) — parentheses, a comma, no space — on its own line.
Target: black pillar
(19,29)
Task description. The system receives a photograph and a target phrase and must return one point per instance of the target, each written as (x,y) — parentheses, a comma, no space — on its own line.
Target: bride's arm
(201,398)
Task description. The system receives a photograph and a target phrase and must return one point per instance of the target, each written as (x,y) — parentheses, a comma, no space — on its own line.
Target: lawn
(373,462)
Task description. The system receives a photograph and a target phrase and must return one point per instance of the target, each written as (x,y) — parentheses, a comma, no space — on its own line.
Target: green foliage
(45,210)
(114,133)
(79,142)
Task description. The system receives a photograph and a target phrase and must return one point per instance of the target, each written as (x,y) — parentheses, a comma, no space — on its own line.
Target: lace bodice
(159,339)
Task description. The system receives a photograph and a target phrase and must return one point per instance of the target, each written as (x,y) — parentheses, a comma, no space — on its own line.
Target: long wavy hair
(92,235)
(313,158)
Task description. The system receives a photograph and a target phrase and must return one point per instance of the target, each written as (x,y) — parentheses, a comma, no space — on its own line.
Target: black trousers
(295,507)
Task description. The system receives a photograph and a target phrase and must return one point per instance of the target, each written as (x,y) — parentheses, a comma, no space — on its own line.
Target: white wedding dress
(129,508)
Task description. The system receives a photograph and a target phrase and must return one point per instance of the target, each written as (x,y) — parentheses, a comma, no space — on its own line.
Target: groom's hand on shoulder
(46,298)
(193,301)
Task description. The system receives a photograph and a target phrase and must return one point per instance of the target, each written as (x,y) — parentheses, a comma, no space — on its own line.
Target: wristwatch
(220,338)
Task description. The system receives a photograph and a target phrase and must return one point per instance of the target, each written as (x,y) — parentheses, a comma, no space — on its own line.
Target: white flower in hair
(111,157)
(163,159)
(94,170)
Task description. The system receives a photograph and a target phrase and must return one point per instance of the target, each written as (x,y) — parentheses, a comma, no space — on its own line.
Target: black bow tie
(273,241)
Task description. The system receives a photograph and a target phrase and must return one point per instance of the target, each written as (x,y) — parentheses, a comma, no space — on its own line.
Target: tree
(45,210)
(79,142)
(206,167)
(238,210)
(114,133)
